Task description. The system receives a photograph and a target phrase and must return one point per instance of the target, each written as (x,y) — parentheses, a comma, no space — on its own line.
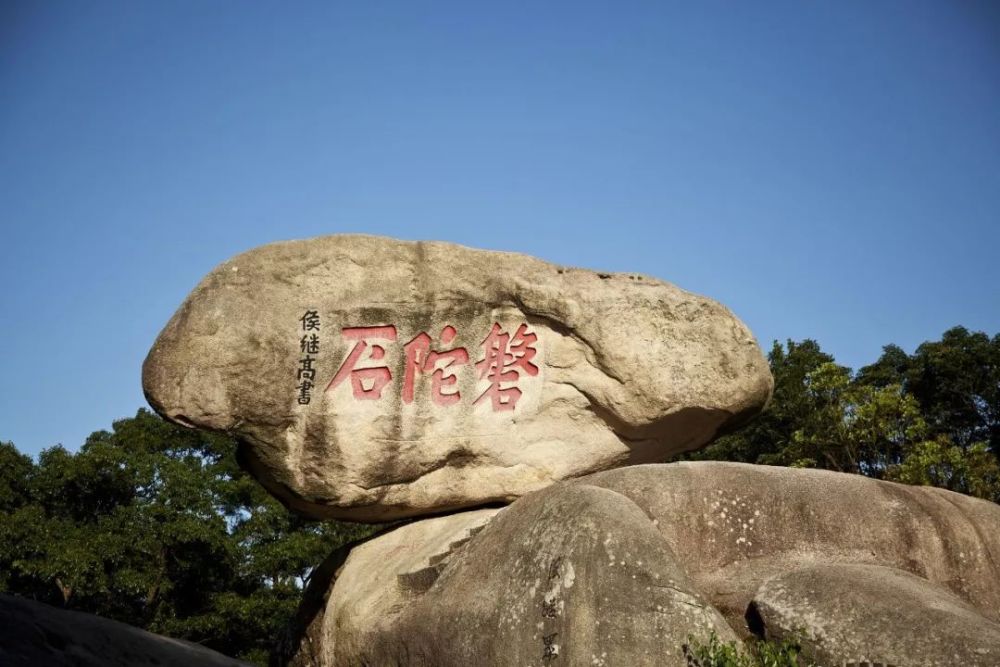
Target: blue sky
(828,170)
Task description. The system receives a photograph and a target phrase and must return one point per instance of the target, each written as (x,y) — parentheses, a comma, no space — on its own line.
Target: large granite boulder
(868,614)
(621,567)
(734,525)
(33,634)
(371,379)
(571,575)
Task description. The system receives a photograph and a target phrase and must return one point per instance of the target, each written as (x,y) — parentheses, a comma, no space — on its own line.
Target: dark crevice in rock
(755,622)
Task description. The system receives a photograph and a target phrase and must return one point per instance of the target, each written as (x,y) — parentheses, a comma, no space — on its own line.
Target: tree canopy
(932,417)
(157,526)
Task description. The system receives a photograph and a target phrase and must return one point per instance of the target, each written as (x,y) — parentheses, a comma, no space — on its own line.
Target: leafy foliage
(768,438)
(972,470)
(932,417)
(157,526)
(754,653)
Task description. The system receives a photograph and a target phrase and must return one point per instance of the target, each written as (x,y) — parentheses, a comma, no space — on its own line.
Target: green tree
(892,367)
(971,470)
(15,475)
(957,382)
(156,525)
(853,427)
(769,438)
(928,418)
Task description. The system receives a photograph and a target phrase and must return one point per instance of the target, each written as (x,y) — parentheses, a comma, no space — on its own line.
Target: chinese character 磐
(310,321)
(376,377)
(505,355)
(420,358)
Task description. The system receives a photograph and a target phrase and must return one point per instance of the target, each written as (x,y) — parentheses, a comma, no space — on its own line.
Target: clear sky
(828,170)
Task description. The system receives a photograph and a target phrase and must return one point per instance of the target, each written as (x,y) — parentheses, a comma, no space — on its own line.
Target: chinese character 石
(420,358)
(504,355)
(309,344)
(310,321)
(377,377)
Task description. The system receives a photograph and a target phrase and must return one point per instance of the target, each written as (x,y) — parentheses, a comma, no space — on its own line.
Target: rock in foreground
(619,568)
(734,525)
(370,378)
(33,634)
(876,615)
(571,575)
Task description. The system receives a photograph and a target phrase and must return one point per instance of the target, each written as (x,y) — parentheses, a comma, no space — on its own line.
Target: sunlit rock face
(571,575)
(369,378)
(635,565)
(881,615)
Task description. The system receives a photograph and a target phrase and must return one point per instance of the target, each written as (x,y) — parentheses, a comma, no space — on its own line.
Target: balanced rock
(621,567)
(369,378)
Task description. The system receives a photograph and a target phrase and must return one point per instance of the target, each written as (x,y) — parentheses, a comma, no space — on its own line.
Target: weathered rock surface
(734,525)
(370,378)
(618,568)
(871,614)
(572,575)
(33,634)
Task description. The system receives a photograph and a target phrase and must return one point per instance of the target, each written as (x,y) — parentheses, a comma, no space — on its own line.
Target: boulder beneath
(623,567)
(33,634)
(867,614)
(735,525)
(374,579)
(571,575)
(370,379)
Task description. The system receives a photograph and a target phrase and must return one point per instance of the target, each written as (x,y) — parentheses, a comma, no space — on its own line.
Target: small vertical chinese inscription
(309,348)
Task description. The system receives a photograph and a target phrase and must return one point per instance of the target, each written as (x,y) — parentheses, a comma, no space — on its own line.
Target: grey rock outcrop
(371,379)
(734,525)
(572,575)
(621,567)
(33,634)
(876,615)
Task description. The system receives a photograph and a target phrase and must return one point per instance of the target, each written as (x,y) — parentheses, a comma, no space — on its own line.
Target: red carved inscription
(420,358)
(505,355)
(505,358)
(378,376)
